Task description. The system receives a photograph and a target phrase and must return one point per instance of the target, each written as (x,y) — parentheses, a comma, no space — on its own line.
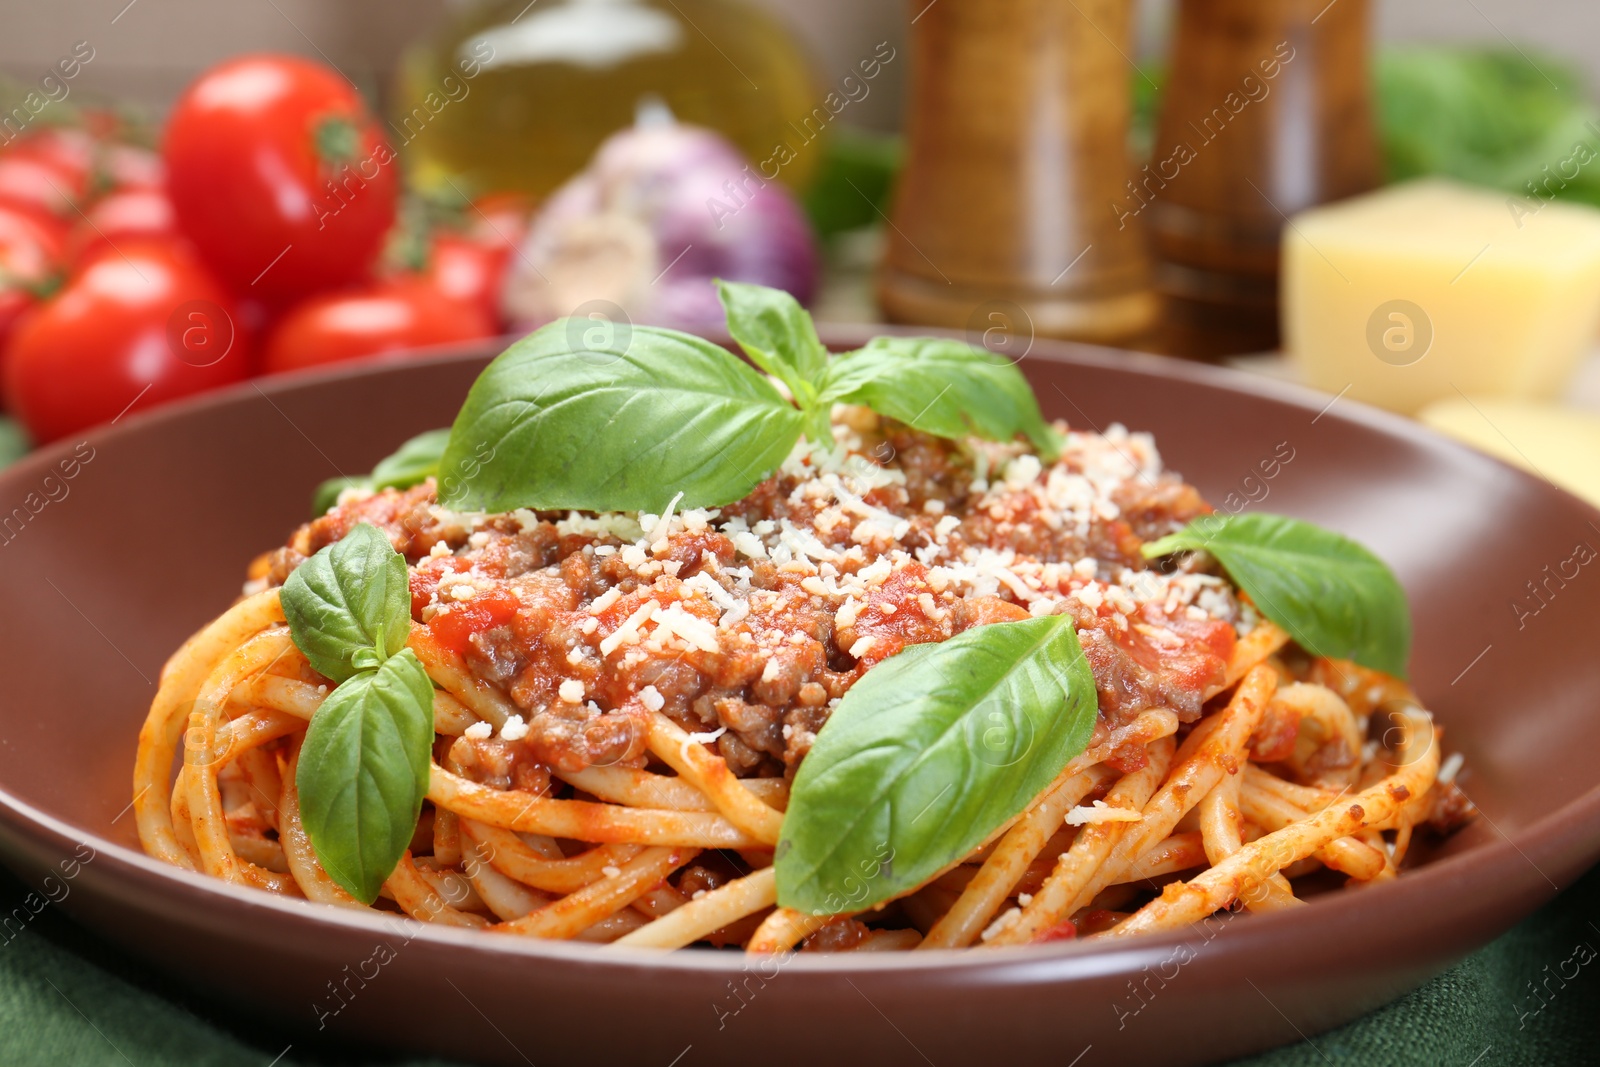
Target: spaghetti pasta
(620,704)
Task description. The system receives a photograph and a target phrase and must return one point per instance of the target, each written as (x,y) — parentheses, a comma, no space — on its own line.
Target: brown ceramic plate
(150,538)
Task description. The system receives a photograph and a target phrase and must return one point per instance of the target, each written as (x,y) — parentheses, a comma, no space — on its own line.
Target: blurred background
(1390,200)
(149,59)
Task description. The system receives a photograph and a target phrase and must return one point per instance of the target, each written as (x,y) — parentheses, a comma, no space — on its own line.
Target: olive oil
(516,96)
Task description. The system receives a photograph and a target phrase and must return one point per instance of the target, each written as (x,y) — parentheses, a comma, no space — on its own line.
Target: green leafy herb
(349,606)
(624,422)
(941,387)
(1491,116)
(363,772)
(778,336)
(927,755)
(327,494)
(411,464)
(854,181)
(364,764)
(1334,597)
(554,424)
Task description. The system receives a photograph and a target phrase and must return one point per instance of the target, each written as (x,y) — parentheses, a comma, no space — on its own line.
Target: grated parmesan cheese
(1006,919)
(691,629)
(699,739)
(1099,812)
(605,600)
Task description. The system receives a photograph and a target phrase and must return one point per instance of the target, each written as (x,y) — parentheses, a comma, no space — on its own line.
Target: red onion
(661,210)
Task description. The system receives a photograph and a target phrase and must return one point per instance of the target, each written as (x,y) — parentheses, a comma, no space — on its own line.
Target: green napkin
(67,999)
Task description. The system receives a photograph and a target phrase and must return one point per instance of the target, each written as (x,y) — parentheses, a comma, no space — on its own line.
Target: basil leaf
(1334,597)
(778,336)
(364,771)
(941,387)
(411,464)
(352,597)
(551,424)
(327,494)
(927,755)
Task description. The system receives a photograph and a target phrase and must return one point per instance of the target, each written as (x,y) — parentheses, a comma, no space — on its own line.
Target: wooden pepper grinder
(1004,218)
(1267,110)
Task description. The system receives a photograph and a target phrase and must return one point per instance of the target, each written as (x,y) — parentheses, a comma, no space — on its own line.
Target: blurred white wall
(1568,28)
(147,50)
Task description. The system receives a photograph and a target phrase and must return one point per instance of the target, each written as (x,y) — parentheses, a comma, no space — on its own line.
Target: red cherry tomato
(34,183)
(130,167)
(468,270)
(500,219)
(31,251)
(15,302)
(128,332)
(31,246)
(123,214)
(71,151)
(386,316)
(257,319)
(280,176)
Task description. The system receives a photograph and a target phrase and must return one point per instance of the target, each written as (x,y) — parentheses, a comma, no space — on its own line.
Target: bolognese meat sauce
(745,624)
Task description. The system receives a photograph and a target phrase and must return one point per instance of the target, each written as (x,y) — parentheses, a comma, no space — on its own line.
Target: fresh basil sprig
(778,336)
(349,606)
(363,768)
(927,755)
(364,771)
(942,387)
(410,464)
(626,422)
(621,427)
(1332,595)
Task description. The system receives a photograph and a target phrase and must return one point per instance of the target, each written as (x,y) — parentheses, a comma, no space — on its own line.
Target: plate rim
(19,816)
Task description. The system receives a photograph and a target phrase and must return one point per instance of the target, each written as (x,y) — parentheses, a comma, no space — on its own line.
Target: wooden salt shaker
(1004,221)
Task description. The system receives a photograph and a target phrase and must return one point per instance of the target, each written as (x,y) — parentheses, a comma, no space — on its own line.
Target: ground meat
(741,757)
(756,619)
(499,764)
(1448,808)
(1151,507)
(758,726)
(841,935)
(800,726)
(1132,672)
(699,879)
(1020,529)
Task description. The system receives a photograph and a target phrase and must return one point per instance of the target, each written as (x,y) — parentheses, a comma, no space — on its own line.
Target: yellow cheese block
(1432,289)
(1558,443)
